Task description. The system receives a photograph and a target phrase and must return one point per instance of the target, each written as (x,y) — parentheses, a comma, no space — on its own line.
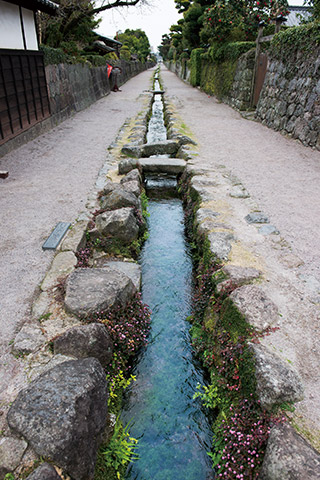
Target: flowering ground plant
(220,339)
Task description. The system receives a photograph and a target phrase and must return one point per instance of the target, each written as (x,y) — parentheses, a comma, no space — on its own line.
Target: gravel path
(49,181)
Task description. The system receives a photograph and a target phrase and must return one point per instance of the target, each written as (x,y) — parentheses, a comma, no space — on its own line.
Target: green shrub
(125,53)
(54,56)
(304,38)
(195,67)
(95,60)
(229,51)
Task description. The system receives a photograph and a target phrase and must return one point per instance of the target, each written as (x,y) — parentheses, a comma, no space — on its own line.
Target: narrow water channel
(173,432)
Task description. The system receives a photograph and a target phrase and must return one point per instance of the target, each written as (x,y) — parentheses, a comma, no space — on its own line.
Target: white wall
(10,27)
(29,29)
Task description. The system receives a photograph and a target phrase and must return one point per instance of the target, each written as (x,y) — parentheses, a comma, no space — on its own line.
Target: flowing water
(173,432)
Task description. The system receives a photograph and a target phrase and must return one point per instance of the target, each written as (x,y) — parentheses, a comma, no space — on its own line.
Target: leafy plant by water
(120,450)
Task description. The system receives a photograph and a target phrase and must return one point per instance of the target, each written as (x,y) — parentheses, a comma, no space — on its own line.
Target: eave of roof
(108,40)
(46,6)
(103,46)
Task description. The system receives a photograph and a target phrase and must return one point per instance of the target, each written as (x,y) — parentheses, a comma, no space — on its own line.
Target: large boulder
(84,341)
(62,414)
(92,290)
(289,457)
(254,304)
(119,198)
(120,224)
(277,381)
(44,472)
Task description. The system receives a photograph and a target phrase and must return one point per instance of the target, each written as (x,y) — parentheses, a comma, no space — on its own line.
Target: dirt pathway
(49,181)
(283,180)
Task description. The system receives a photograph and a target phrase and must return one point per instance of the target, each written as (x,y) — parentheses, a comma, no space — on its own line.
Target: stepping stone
(257,217)
(162,165)
(89,291)
(268,230)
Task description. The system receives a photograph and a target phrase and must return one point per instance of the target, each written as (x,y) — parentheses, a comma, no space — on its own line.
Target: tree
(224,17)
(76,19)
(315,4)
(137,42)
(165,46)
(191,24)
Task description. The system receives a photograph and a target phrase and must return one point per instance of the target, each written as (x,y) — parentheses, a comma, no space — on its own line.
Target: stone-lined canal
(173,432)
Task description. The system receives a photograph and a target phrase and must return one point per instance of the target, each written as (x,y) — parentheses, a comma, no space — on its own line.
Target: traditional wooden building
(23,88)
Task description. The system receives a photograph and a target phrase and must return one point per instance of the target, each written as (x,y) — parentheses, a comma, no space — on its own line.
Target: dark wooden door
(23,92)
(262,66)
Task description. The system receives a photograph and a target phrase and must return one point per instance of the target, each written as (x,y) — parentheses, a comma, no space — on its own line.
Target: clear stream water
(174,433)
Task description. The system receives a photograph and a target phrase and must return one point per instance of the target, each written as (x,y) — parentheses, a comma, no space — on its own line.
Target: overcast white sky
(155,20)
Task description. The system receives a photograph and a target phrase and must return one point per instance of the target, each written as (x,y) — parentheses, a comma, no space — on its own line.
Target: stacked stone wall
(239,96)
(290,98)
(75,87)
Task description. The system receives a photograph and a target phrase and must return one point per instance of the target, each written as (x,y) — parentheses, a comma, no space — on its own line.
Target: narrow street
(50,179)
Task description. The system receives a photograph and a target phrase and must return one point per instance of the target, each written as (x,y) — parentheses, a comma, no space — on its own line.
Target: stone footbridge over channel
(264,187)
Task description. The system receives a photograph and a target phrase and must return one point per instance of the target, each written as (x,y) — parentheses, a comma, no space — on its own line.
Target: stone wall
(75,87)
(240,93)
(290,98)
(229,81)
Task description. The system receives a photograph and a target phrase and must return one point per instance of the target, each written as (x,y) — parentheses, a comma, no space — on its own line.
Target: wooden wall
(23,92)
